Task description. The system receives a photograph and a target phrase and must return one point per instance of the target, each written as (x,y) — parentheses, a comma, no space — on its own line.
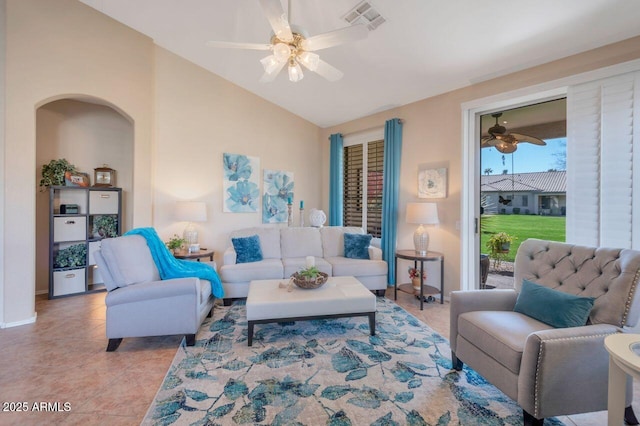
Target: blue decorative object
(243,197)
(553,307)
(278,190)
(247,249)
(325,372)
(356,246)
(240,183)
(391,193)
(336,195)
(236,167)
(170,267)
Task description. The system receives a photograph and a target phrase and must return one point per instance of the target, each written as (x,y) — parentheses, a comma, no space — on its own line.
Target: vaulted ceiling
(424,47)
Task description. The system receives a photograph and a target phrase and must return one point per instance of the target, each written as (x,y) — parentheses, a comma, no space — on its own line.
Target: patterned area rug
(325,372)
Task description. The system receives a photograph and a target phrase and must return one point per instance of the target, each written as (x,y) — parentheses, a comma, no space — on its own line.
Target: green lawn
(522,227)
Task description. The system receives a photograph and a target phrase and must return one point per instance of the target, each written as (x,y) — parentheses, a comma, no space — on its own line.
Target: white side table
(623,361)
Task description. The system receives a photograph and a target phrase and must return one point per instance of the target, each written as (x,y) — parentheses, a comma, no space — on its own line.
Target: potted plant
(53,173)
(309,278)
(414,274)
(175,243)
(74,256)
(499,245)
(105,226)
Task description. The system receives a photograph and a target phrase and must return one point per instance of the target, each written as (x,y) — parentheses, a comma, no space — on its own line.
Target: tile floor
(62,359)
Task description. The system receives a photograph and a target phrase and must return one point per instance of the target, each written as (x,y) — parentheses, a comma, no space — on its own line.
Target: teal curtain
(335,180)
(391,193)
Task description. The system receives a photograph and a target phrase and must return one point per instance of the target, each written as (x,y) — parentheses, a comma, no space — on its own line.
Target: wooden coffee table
(339,297)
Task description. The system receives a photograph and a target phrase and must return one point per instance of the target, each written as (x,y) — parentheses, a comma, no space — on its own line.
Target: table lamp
(422,214)
(191,211)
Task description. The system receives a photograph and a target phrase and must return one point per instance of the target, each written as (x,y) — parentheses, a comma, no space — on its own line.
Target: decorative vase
(415,282)
(317,218)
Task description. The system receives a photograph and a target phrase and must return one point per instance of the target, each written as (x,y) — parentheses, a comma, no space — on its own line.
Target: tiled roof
(551,182)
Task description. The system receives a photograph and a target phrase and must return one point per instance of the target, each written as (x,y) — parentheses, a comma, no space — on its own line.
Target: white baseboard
(19,323)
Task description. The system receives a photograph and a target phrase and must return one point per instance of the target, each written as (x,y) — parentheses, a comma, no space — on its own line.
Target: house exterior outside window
(541,193)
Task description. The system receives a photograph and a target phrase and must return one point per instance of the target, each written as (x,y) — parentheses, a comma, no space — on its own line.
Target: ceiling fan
(505,142)
(291,46)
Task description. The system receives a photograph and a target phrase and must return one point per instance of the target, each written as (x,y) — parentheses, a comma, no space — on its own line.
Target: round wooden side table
(184,254)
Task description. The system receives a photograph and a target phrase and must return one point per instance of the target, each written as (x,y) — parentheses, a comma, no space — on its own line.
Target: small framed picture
(104,176)
(432,183)
(76,179)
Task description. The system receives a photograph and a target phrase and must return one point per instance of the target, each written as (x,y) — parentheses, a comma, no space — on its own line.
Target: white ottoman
(339,297)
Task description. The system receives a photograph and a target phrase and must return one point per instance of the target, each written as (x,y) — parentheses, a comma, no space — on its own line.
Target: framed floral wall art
(278,190)
(432,182)
(240,180)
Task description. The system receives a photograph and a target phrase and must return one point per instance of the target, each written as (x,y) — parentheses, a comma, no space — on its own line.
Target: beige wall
(200,116)
(432,133)
(56,50)
(185,118)
(64,49)
(2,148)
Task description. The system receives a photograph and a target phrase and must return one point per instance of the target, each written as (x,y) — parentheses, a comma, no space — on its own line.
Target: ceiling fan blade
(333,38)
(329,72)
(277,18)
(484,142)
(269,77)
(527,138)
(233,45)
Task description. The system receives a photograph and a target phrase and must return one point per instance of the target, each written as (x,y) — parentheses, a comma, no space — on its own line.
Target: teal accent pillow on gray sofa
(356,246)
(553,307)
(247,249)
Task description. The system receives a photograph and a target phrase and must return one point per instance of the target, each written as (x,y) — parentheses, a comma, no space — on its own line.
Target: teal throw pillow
(553,307)
(356,246)
(247,249)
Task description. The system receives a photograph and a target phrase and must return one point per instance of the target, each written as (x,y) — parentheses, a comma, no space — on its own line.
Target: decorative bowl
(307,283)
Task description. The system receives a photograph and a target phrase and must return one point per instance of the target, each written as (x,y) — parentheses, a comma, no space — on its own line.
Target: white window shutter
(616,160)
(583,169)
(601,168)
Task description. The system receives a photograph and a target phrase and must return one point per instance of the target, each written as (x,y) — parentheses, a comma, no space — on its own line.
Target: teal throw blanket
(170,267)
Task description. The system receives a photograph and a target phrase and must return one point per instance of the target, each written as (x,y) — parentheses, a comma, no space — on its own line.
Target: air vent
(364,14)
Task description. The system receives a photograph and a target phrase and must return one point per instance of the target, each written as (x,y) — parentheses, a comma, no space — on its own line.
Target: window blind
(363,186)
(375,162)
(353,185)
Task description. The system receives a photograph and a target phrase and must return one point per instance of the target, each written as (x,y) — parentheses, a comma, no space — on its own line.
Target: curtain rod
(366,130)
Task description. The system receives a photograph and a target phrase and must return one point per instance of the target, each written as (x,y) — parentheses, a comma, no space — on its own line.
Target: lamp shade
(422,213)
(191,211)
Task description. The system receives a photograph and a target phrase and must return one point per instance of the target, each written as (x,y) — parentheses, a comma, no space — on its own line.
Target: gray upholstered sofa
(139,303)
(284,252)
(549,371)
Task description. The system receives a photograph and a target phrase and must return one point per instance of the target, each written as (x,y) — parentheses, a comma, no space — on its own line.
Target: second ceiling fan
(291,46)
(503,141)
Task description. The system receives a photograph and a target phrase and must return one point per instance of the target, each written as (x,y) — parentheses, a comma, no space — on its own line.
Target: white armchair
(550,371)
(139,303)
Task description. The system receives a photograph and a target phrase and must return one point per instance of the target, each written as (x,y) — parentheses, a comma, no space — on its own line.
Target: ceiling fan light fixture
(309,60)
(295,72)
(270,64)
(281,51)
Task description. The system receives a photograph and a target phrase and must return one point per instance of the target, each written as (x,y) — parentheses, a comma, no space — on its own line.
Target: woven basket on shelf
(306,283)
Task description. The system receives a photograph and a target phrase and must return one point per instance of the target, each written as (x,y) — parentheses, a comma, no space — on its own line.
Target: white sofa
(284,251)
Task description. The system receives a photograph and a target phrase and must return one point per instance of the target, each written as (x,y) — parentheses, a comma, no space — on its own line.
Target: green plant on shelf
(53,173)
(71,257)
(105,226)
